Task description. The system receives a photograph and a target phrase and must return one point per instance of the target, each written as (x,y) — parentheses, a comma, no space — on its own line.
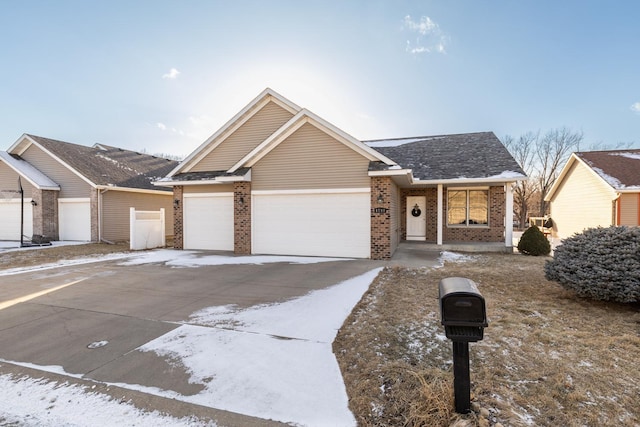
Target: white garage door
(312,224)
(208,221)
(10,219)
(74,218)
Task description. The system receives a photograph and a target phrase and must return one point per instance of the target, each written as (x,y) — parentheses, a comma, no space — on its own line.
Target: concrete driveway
(61,319)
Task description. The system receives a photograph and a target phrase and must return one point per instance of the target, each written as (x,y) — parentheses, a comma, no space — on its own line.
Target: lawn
(548,357)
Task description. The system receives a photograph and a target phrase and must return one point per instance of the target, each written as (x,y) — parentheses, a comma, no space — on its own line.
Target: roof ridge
(425,136)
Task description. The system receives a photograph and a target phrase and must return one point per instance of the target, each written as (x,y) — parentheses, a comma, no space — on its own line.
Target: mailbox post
(464,316)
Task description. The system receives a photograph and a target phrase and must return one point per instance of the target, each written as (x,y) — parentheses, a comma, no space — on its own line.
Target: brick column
(45,213)
(381,217)
(178,202)
(95,215)
(242,218)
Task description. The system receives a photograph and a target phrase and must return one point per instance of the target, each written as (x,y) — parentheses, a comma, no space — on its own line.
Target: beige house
(596,188)
(278,179)
(78,193)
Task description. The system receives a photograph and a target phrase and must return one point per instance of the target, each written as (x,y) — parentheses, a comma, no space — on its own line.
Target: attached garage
(11,215)
(312,224)
(74,217)
(208,221)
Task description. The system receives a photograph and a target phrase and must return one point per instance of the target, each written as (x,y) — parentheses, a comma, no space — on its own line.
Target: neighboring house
(277,179)
(596,188)
(74,192)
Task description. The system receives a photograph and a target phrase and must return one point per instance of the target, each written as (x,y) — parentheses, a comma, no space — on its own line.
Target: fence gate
(147,229)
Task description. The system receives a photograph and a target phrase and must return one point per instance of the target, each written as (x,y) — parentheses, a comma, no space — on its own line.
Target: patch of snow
(628,155)
(66,263)
(446,256)
(38,402)
(508,174)
(396,142)
(612,181)
(182,258)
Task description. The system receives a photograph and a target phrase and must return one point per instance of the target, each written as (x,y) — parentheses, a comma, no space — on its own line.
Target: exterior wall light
(34,203)
(176,203)
(241,200)
(380,198)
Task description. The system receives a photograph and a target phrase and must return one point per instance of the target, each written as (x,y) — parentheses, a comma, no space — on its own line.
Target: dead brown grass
(548,357)
(44,255)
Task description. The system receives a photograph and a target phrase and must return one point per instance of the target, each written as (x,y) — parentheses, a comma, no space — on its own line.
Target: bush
(600,263)
(533,242)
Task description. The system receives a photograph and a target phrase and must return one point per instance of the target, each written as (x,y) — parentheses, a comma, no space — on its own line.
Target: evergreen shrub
(600,263)
(533,242)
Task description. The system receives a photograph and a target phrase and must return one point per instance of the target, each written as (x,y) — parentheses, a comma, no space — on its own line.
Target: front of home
(596,189)
(278,179)
(77,193)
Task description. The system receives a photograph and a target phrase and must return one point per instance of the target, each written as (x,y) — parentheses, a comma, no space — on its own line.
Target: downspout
(616,210)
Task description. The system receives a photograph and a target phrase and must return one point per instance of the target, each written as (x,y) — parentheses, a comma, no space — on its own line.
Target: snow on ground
(446,256)
(8,246)
(42,403)
(182,258)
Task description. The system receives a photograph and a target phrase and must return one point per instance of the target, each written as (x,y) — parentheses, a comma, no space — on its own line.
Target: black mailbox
(462,309)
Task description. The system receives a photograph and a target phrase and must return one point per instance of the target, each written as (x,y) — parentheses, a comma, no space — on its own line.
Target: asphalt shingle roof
(620,168)
(469,155)
(105,165)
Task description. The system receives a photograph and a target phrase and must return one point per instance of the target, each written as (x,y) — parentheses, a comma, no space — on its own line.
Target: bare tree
(542,158)
(523,151)
(552,152)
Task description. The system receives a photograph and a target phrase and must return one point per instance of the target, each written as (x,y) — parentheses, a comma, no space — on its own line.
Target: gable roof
(463,157)
(619,169)
(30,173)
(250,110)
(296,122)
(102,165)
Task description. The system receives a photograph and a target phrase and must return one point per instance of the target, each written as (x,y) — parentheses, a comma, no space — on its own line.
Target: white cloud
(172,74)
(161,126)
(429,38)
(635,107)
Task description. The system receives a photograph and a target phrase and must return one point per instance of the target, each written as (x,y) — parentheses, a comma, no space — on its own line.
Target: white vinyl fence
(146,229)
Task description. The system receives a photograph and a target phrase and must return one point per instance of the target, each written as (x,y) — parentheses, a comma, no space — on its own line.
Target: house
(278,179)
(596,188)
(75,192)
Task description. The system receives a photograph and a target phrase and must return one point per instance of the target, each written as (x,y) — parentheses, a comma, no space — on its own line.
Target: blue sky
(162,76)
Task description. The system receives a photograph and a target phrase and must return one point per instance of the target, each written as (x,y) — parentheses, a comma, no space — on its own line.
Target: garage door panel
(74,218)
(312,224)
(10,215)
(208,221)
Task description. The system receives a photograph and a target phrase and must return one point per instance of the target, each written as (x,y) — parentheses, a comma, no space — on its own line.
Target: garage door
(208,221)
(10,219)
(336,225)
(74,218)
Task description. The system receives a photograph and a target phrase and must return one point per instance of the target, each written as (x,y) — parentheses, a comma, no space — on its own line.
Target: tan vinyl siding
(71,185)
(9,181)
(258,128)
(582,201)
(629,209)
(395,217)
(214,188)
(116,207)
(310,159)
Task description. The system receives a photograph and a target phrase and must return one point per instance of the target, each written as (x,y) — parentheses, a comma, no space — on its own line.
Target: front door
(416,218)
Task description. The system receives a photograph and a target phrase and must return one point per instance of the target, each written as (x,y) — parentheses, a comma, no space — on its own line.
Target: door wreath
(416,211)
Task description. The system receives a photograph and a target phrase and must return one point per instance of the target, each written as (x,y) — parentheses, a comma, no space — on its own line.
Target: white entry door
(416,218)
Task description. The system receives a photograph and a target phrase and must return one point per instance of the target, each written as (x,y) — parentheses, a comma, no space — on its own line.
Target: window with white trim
(468,207)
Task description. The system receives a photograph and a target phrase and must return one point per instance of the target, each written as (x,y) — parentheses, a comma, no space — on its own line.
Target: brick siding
(381,221)
(178,202)
(242,218)
(45,213)
(493,233)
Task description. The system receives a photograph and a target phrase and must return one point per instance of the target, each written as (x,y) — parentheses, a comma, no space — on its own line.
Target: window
(468,207)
